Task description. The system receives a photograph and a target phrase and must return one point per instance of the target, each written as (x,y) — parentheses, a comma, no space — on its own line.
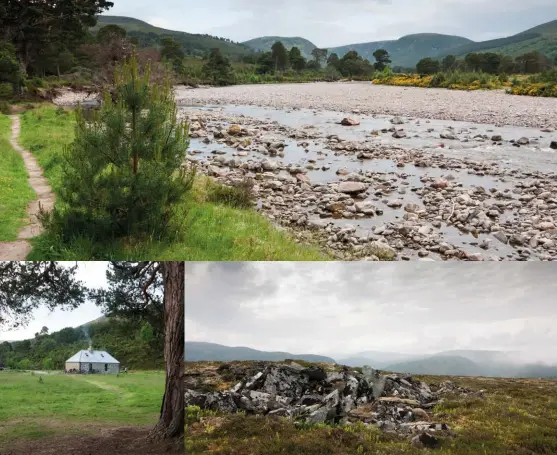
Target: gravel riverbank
(492,107)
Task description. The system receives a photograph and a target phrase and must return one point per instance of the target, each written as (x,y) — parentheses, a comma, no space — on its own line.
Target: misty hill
(265,43)
(378,359)
(194,44)
(197,351)
(542,38)
(408,50)
(488,363)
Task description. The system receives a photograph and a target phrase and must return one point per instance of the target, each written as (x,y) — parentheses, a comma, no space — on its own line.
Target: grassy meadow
(210,230)
(16,192)
(515,417)
(82,404)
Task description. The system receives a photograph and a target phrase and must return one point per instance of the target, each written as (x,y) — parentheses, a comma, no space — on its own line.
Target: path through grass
(211,231)
(66,403)
(15,193)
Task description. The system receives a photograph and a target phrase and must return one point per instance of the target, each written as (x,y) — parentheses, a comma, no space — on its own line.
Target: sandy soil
(492,107)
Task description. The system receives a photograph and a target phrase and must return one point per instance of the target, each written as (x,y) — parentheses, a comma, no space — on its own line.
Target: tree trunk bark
(171,420)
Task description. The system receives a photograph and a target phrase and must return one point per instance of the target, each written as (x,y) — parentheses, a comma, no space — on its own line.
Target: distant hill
(265,43)
(194,44)
(196,351)
(542,38)
(405,51)
(377,359)
(408,50)
(453,365)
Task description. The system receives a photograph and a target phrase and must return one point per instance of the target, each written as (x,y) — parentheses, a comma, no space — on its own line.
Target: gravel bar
(490,107)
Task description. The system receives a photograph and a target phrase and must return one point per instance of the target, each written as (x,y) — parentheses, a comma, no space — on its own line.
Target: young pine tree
(124,175)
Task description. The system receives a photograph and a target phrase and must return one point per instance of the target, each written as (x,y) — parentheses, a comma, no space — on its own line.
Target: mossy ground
(515,417)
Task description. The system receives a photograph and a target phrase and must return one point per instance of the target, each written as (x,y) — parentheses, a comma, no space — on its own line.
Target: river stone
(523,141)
(352,187)
(553,145)
(349,122)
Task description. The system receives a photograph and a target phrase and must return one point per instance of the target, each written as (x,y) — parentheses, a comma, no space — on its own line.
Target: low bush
(239,196)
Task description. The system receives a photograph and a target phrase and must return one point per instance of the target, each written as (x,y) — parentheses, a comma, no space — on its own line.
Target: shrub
(239,195)
(123,174)
(6,90)
(5,107)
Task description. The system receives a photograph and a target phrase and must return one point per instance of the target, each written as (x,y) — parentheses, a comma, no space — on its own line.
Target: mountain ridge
(405,51)
(200,350)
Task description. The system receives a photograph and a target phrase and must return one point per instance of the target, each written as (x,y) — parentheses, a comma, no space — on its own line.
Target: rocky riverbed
(335,395)
(389,187)
(493,107)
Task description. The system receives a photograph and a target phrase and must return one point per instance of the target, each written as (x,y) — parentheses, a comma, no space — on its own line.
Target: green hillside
(408,50)
(265,43)
(542,38)
(194,44)
(198,351)
(133,344)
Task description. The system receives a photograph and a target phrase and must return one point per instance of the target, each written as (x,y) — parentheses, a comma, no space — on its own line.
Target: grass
(75,403)
(16,192)
(455,80)
(211,230)
(515,417)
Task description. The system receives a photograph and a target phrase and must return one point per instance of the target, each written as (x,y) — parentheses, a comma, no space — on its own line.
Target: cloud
(331,23)
(337,307)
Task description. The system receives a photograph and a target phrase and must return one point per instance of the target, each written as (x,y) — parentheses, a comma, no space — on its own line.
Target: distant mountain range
(405,51)
(195,351)
(447,363)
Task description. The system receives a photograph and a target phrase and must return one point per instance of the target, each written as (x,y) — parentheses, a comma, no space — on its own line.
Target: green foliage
(110,32)
(279,56)
(5,107)
(171,49)
(353,65)
(37,29)
(448,63)
(147,35)
(382,59)
(10,71)
(238,196)
(217,68)
(134,345)
(66,404)
(6,90)
(131,152)
(319,55)
(212,231)
(428,66)
(16,193)
(297,61)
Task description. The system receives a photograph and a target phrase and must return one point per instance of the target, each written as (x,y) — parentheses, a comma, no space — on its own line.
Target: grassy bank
(78,404)
(515,417)
(16,192)
(454,81)
(211,231)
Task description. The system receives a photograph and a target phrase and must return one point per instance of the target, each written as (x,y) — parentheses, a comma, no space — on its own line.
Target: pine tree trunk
(171,420)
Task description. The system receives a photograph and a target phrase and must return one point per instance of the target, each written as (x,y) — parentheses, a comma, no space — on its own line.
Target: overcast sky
(341,308)
(329,23)
(93,274)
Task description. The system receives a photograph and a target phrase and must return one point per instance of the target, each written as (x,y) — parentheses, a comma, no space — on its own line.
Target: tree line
(488,62)
(279,60)
(134,346)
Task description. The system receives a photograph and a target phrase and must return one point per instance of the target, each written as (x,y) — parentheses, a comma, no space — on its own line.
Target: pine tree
(123,175)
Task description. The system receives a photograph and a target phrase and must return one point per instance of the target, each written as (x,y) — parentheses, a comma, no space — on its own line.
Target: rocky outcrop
(393,402)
